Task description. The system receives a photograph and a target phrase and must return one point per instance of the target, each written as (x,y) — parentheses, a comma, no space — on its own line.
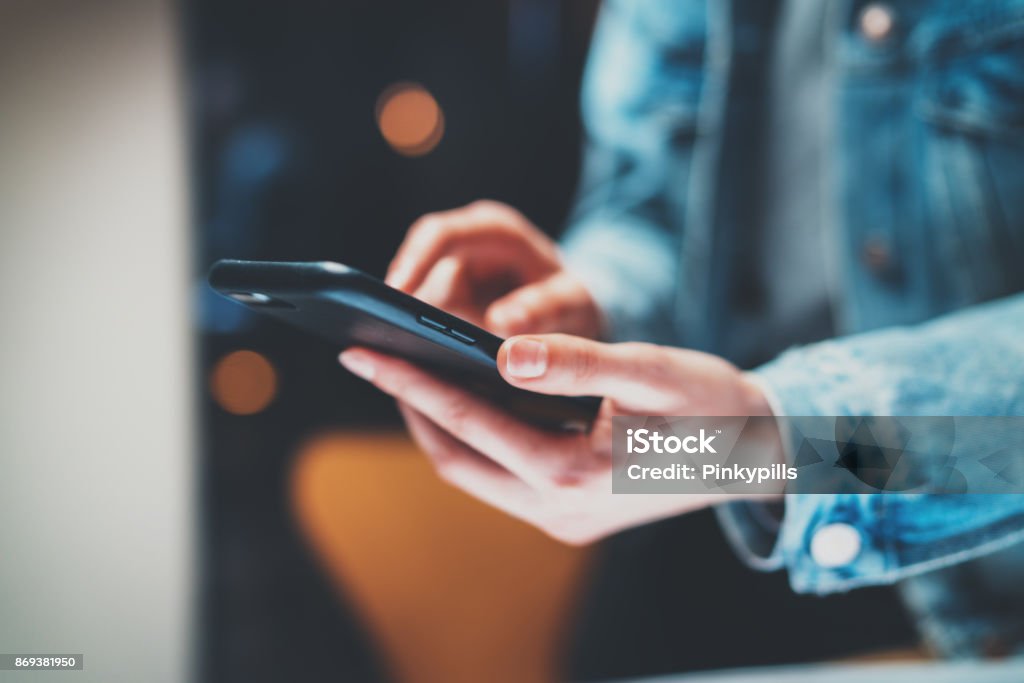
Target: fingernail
(358,364)
(526,358)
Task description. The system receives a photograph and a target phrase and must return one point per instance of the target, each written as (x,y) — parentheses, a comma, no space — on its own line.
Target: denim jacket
(925,231)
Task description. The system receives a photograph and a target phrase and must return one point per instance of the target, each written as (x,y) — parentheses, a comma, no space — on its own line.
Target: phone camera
(250,297)
(259,299)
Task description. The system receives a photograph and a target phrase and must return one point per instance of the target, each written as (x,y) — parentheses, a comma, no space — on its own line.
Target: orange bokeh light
(410,119)
(243,382)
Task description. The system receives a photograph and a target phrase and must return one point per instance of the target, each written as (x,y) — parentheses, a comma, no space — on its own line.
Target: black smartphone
(351,308)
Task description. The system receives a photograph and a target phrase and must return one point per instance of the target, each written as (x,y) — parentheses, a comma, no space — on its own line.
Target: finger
(556,303)
(450,286)
(430,229)
(531,308)
(464,468)
(441,285)
(642,377)
(485,231)
(445,452)
(535,457)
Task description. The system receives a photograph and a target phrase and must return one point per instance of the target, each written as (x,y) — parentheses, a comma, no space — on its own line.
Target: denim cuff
(752,530)
(836,542)
(790,542)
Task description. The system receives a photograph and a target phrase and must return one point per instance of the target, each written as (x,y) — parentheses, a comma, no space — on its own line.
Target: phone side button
(462,337)
(424,320)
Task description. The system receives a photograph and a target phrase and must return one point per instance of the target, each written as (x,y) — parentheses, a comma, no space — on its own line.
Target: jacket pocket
(971,102)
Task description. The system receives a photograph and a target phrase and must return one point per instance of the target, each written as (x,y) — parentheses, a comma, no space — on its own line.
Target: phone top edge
(231,276)
(335,267)
(231,265)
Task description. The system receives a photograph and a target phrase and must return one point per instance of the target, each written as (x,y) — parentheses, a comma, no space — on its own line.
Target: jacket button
(835,545)
(876,255)
(877,22)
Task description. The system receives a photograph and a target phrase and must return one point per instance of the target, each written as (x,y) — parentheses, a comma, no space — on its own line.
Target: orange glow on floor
(451,590)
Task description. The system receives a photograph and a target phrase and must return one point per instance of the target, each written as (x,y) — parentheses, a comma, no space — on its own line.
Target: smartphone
(350,308)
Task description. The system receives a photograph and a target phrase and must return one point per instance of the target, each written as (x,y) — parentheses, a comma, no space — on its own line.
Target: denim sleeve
(966,363)
(639,103)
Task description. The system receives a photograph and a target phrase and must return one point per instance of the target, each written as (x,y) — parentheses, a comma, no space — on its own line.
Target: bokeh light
(243,382)
(410,119)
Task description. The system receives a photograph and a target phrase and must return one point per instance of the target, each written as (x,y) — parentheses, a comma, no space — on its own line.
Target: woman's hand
(558,482)
(487,263)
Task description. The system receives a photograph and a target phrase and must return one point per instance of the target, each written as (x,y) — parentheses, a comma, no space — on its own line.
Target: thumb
(639,377)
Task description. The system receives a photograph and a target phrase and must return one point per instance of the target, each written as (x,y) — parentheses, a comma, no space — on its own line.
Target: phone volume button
(424,320)
(462,337)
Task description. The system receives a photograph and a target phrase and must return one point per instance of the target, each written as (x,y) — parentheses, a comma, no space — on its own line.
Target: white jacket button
(835,545)
(877,22)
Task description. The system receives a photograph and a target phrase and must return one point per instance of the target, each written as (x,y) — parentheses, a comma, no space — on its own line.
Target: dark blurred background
(320,131)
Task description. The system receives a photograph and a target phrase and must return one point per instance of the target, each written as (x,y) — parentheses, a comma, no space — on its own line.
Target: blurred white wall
(96,454)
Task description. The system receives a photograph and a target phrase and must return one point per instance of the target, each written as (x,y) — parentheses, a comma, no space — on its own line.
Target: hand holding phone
(562,482)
